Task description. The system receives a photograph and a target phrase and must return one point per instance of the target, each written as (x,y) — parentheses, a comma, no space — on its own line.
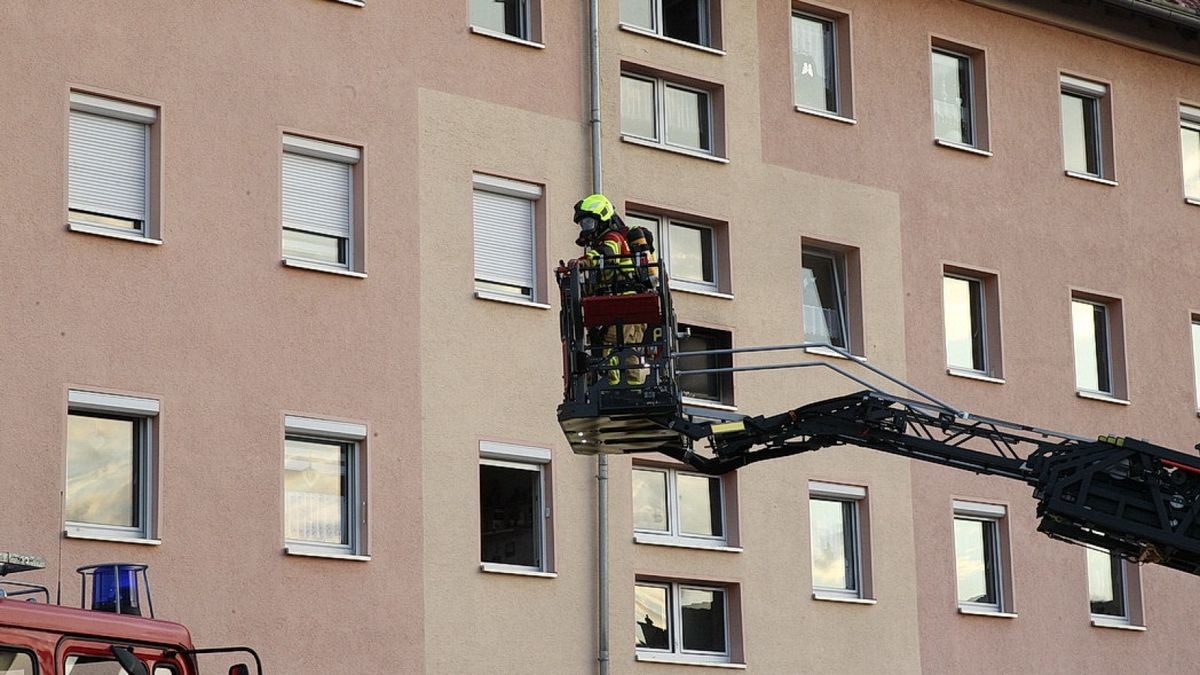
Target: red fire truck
(111,637)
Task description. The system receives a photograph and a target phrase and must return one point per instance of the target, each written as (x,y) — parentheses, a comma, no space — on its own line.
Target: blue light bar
(115,587)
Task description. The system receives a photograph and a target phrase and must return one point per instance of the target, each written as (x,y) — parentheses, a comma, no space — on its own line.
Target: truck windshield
(15,663)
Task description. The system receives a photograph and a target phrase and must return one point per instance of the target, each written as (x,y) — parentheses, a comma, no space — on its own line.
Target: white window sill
(76,533)
(681,660)
(1117,624)
(825,114)
(698,154)
(306,552)
(510,299)
(497,568)
(961,146)
(630,28)
(487,32)
(355,3)
(973,375)
(679,542)
(995,614)
(88,228)
(711,405)
(318,267)
(1091,179)
(1097,396)
(827,351)
(698,291)
(830,597)
(1194,201)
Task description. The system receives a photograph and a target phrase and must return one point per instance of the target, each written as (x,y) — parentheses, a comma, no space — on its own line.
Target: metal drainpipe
(601,459)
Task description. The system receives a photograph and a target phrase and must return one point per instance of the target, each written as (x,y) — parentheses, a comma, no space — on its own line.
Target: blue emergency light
(115,587)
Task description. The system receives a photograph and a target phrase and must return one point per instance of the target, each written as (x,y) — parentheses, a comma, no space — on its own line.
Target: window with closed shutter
(318,208)
(108,164)
(504,236)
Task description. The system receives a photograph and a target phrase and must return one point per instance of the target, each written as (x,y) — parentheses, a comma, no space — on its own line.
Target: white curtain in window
(108,163)
(316,195)
(503,239)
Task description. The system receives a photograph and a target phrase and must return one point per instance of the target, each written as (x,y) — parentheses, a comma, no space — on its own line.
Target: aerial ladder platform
(1134,498)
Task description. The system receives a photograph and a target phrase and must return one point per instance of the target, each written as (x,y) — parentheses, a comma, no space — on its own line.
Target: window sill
(670,148)
(996,614)
(678,660)
(1106,398)
(1091,179)
(306,552)
(318,267)
(497,568)
(829,597)
(638,30)
(1194,201)
(354,3)
(825,114)
(510,300)
(86,228)
(973,375)
(712,405)
(961,146)
(828,351)
(1117,624)
(697,291)
(677,542)
(486,32)
(75,533)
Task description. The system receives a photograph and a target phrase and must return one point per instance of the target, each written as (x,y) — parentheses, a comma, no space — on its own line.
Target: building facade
(280,320)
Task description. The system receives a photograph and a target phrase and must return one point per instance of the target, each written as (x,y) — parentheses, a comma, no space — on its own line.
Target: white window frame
(1110,619)
(973,115)
(523,458)
(831,53)
(1097,93)
(855,496)
(978,287)
(332,152)
(674,533)
(658,22)
(352,437)
(526,32)
(144,115)
(1195,337)
(840,273)
(520,190)
(144,412)
(1189,118)
(992,514)
(660,114)
(663,246)
(675,629)
(724,380)
(1108,353)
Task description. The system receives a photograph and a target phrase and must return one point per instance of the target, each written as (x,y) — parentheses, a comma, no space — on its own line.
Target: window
(1189,133)
(970,304)
(689,251)
(1196,356)
(322,203)
(93,665)
(667,113)
(515,18)
(959,95)
(826,297)
(705,387)
(1114,589)
(821,61)
(324,477)
(109,182)
(681,621)
(979,558)
(673,505)
(685,20)
(111,474)
(840,564)
(513,508)
(1099,355)
(505,215)
(13,662)
(1087,137)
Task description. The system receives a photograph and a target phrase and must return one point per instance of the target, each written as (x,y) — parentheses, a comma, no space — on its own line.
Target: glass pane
(975,561)
(813,78)
(510,515)
(638,13)
(315,477)
(1089,324)
(650,501)
(687,118)
(1196,359)
(707,386)
(832,529)
(963,305)
(1106,588)
(702,615)
(951,98)
(699,505)
(1080,139)
(102,467)
(165,670)
(686,20)
(637,108)
(317,247)
(93,665)
(823,300)
(15,663)
(502,16)
(106,221)
(650,615)
(692,253)
(1191,161)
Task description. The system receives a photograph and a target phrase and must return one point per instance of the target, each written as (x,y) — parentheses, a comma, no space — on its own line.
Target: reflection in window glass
(1081,141)
(651,613)
(315,484)
(814,80)
(963,304)
(703,619)
(637,108)
(1190,138)
(510,514)
(692,253)
(1089,322)
(832,525)
(952,97)
(318,247)
(687,118)
(699,505)
(93,665)
(503,16)
(1106,583)
(715,387)
(638,13)
(975,560)
(650,500)
(15,663)
(824,299)
(102,470)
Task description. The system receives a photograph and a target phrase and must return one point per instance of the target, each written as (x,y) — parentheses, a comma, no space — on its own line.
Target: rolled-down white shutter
(108,166)
(316,195)
(503,239)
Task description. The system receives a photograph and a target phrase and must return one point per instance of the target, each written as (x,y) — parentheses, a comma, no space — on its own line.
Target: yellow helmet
(595,205)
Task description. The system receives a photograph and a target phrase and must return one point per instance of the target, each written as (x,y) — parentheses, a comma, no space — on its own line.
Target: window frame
(352,439)
(530,24)
(1195,337)
(994,517)
(663,248)
(853,499)
(1189,121)
(830,47)
(532,459)
(978,296)
(838,50)
(352,157)
(677,651)
(709,13)
(1097,99)
(24,651)
(660,84)
(840,267)
(144,412)
(966,64)
(1122,579)
(1114,334)
(674,534)
(535,194)
(725,380)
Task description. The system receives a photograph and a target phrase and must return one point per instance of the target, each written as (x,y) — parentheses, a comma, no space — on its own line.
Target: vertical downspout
(601,459)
